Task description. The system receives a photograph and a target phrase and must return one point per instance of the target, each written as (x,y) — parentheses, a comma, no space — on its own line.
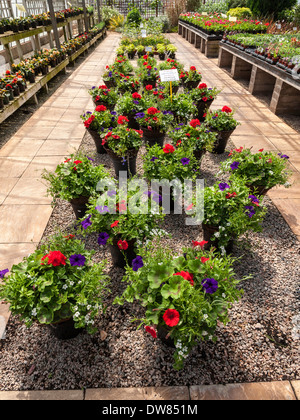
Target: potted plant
(127,84)
(97,122)
(122,145)
(57,285)
(194,136)
(185,295)
(261,171)
(119,227)
(161,50)
(166,164)
(131,50)
(109,76)
(129,105)
(140,49)
(104,96)
(155,124)
(181,106)
(148,74)
(190,79)
(230,210)
(223,122)
(203,97)
(171,50)
(75,180)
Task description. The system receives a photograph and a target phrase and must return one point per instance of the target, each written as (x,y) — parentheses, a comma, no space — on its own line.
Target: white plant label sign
(144,33)
(169,75)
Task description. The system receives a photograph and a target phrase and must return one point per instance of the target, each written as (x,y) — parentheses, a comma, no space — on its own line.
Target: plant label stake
(169,76)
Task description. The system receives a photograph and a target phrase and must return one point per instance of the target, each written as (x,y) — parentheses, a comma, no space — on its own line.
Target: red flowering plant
(100,119)
(113,218)
(221,119)
(154,119)
(194,135)
(203,93)
(57,282)
(130,104)
(185,295)
(191,75)
(104,96)
(121,139)
(128,84)
(75,177)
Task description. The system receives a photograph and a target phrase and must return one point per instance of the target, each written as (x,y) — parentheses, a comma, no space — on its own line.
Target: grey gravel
(261,343)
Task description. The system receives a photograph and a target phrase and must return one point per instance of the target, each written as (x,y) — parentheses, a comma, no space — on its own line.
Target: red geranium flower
(152,111)
(203,259)
(149,67)
(122,244)
(187,276)
(194,123)
(201,244)
(193,68)
(149,87)
(122,120)
(151,330)
(230,195)
(168,148)
(136,95)
(226,109)
(55,258)
(100,108)
(171,317)
(202,86)
(114,224)
(102,87)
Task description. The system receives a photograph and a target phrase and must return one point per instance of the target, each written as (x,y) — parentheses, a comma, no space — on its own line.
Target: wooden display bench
(282,87)
(208,44)
(9,37)
(41,82)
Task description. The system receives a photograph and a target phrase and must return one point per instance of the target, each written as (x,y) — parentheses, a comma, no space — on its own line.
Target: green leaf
(45,316)
(173,289)
(158,275)
(46,295)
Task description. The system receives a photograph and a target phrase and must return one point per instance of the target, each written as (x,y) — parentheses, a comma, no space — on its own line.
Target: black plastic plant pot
(79,206)
(65,330)
(123,164)
(153,137)
(97,140)
(221,141)
(119,257)
(208,236)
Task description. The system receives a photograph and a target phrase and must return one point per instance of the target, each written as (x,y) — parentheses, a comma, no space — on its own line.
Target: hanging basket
(152,137)
(118,162)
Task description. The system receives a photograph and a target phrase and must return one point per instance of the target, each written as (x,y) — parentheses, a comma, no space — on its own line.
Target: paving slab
(150,393)
(42,395)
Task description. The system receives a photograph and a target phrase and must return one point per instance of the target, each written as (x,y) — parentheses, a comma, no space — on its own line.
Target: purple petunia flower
(234,165)
(86,222)
(77,260)
(210,285)
(284,157)
(3,272)
(113,112)
(137,263)
(185,161)
(249,210)
(89,158)
(153,159)
(254,199)
(102,238)
(223,186)
(136,102)
(102,209)
(111,193)
(140,115)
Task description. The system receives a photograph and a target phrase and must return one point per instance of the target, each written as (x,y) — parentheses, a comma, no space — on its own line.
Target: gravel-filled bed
(259,344)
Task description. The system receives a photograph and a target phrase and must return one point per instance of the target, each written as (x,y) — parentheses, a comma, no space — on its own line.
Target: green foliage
(47,293)
(266,8)
(72,180)
(134,17)
(240,12)
(121,139)
(221,120)
(159,286)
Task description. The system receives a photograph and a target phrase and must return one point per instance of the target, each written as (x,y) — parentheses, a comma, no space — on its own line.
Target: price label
(169,75)
(144,33)
(148,48)
(278,25)
(295,28)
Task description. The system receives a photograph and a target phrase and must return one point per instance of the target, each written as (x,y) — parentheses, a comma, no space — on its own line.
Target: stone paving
(55,131)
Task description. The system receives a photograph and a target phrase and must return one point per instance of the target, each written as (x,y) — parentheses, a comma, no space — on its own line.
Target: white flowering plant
(58,281)
(185,295)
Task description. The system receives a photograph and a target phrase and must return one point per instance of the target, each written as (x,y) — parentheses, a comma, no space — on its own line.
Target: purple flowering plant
(264,168)
(233,210)
(58,281)
(200,285)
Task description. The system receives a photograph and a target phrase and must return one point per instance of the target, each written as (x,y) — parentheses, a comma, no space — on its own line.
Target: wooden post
(86,20)
(98,9)
(54,25)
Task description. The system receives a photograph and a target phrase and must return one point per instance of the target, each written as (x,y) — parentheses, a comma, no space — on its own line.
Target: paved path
(259,128)
(55,130)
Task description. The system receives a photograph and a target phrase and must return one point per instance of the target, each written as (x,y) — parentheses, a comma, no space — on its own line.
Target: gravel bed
(261,343)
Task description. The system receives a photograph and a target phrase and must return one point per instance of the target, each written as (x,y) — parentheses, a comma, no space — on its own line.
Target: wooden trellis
(145,6)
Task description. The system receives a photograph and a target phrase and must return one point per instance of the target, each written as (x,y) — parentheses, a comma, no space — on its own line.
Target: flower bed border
(41,82)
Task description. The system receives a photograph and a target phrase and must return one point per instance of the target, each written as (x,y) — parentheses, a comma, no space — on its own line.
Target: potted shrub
(194,136)
(97,122)
(203,97)
(118,227)
(75,180)
(104,96)
(171,50)
(223,122)
(131,50)
(122,145)
(161,50)
(140,49)
(230,210)
(261,171)
(185,296)
(154,124)
(190,79)
(166,164)
(57,285)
